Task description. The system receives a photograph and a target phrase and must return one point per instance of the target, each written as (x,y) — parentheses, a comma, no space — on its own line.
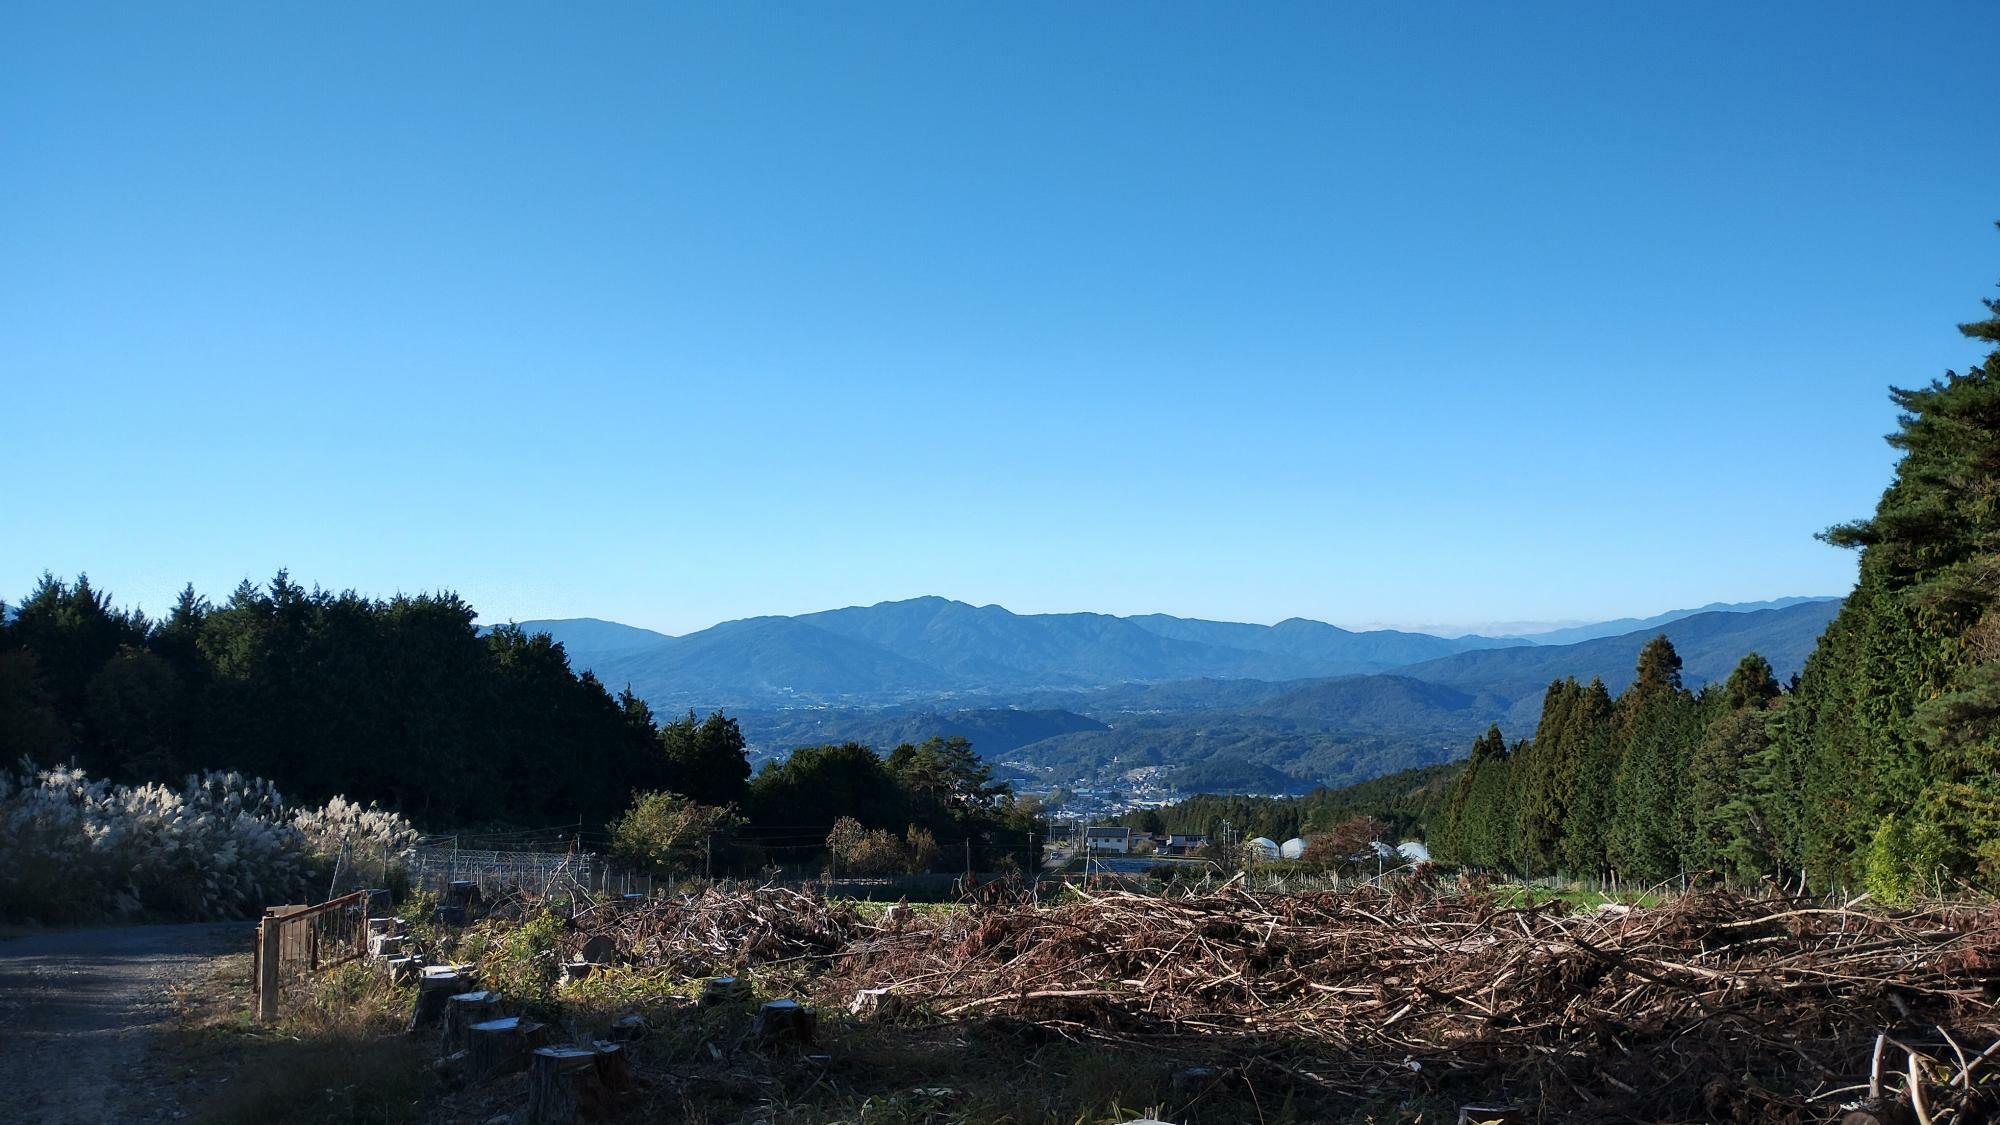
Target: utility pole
(708,856)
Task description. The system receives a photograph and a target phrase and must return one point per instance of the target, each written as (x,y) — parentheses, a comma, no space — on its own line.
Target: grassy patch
(338,1057)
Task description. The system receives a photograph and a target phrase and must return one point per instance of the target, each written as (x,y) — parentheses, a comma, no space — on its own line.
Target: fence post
(267,969)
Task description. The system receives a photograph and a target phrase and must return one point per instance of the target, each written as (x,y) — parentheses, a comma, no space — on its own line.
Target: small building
(1186,843)
(1108,840)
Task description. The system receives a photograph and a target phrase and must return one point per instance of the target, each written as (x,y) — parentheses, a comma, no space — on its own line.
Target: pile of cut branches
(724,930)
(1714,1005)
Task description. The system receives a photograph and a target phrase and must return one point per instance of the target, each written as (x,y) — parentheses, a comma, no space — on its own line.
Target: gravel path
(75,1005)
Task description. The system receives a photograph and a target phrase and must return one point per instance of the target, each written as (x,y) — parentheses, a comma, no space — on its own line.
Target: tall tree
(1896,725)
(1653,727)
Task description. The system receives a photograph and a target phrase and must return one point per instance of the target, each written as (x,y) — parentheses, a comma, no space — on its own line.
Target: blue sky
(669,314)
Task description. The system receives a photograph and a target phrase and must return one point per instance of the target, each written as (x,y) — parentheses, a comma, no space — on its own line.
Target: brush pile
(1714,1006)
(724,930)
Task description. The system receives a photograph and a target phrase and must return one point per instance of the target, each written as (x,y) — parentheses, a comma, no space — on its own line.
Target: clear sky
(1385,312)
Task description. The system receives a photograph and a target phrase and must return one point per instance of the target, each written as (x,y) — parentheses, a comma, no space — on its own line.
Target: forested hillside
(1881,768)
(407,703)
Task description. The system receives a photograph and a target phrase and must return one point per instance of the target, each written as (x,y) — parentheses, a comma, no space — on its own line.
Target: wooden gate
(293,941)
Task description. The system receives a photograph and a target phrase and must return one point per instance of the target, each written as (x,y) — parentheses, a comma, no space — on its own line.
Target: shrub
(220,846)
(667,834)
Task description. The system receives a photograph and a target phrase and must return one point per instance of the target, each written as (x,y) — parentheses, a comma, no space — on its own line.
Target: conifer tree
(1895,729)
(1582,851)
(1652,728)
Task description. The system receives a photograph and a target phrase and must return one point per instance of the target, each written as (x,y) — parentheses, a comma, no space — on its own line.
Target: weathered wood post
(267,970)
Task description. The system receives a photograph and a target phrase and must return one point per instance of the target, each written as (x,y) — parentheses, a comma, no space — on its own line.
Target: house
(1186,843)
(1108,840)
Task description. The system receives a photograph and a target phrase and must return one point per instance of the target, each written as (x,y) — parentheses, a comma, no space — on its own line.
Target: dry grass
(337,1058)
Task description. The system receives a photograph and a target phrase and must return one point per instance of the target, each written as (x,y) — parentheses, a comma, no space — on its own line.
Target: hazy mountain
(588,639)
(1329,647)
(1342,728)
(894,652)
(1093,691)
(991,646)
(768,659)
(1624,625)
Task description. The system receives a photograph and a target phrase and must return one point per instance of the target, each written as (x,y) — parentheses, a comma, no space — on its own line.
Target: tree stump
(562,1084)
(612,1071)
(433,991)
(574,971)
(402,970)
(498,1046)
(629,1029)
(385,945)
(377,925)
(724,990)
(464,1010)
(599,950)
(785,1021)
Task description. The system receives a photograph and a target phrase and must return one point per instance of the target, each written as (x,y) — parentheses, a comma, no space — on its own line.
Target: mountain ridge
(899,652)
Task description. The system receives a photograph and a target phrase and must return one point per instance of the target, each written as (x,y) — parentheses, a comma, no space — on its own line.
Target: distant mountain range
(1572,635)
(1085,694)
(926,648)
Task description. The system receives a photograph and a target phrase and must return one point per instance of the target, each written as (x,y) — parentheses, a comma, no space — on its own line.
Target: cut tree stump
(611,1066)
(402,970)
(599,950)
(385,945)
(498,1046)
(725,990)
(574,971)
(563,1084)
(629,1029)
(464,1010)
(785,1021)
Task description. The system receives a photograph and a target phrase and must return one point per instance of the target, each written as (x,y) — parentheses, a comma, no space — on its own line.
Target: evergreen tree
(1479,816)
(1895,731)
(706,758)
(1548,777)
(1730,830)
(1583,850)
(1652,728)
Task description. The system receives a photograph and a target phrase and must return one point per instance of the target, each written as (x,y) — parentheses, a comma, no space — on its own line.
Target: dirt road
(75,1005)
